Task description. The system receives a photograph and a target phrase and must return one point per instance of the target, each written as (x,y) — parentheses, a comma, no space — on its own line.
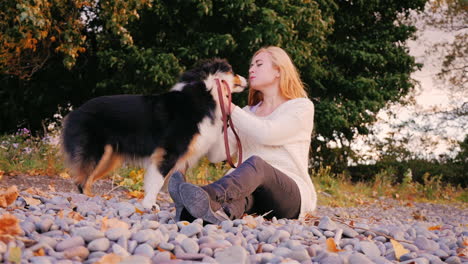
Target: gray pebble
(41,260)
(44,225)
(191,229)
(117,249)
(426,244)
(453,260)
(234,254)
(408,256)
(369,249)
(189,245)
(96,255)
(348,232)
(358,258)
(299,255)
(416,261)
(100,244)
(69,243)
(88,233)
(136,259)
(161,257)
(327,224)
(118,232)
(144,250)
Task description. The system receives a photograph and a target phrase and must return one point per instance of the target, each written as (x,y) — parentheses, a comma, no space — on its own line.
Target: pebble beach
(69,228)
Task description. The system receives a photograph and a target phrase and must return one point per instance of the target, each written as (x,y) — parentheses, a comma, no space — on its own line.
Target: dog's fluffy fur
(165,132)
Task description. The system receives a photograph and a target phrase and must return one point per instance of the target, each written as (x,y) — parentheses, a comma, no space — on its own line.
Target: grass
(339,191)
(22,153)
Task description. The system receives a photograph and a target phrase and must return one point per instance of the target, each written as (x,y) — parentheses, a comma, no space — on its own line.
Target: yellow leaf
(31,201)
(112,223)
(136,194)
(399,249)
(64,175)
(36,191)
(52,188)
(15,255)
(9,225)
(75,216)
(432,228)
(109,259)
(139,211)
(250,221)
(331,245)
(8,196)
(39,252)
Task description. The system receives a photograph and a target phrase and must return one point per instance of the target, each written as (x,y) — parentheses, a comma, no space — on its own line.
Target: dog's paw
(149,205)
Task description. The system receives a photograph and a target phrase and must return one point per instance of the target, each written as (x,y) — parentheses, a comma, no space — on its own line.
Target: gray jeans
(256,187)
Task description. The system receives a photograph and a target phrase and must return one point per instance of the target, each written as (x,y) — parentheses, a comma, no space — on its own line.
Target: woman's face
(262,72)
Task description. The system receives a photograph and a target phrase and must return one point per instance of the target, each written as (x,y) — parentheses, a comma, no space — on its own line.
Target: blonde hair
(291,86)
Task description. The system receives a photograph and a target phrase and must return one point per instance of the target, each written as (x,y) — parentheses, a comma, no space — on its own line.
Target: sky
(428,94)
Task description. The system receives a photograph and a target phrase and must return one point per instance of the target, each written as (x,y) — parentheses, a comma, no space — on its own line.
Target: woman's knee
(254,161)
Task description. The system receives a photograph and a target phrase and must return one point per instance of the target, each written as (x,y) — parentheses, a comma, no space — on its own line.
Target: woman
(275,130)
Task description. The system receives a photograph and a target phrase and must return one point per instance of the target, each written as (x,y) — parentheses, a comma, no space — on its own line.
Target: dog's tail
(75,144)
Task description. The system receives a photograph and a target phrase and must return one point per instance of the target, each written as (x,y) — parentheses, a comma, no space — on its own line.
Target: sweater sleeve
(293,121)
(217,152)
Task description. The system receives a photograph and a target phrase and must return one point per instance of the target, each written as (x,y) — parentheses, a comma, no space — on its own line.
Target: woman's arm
(295,120)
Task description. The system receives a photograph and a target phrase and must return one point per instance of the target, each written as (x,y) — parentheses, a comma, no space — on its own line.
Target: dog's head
(209,70)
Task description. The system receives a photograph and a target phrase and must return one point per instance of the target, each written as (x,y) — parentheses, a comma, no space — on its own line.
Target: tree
(141,47)
(350,54)
(367,66)
(450,16)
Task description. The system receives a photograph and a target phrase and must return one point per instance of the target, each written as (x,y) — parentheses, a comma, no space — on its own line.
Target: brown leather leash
(226,117)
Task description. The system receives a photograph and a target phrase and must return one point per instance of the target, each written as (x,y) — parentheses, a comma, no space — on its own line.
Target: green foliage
(367,65)
(351,55)
(23,153)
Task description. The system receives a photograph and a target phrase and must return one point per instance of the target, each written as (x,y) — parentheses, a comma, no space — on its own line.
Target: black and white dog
(164,133)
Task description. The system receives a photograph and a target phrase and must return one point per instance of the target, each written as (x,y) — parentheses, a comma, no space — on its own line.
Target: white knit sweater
(282,139)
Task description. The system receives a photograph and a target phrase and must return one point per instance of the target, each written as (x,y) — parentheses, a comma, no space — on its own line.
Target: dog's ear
(237,89)
(240,83)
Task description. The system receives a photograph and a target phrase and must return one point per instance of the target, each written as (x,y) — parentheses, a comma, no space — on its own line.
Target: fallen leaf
(40,252)
(418,215)
(139,211)
(462,252)
(60,214)
(52,188)
(109,259)
(9,225)
(259,249)
(75,216)
(170,253)
(36,191)
(409,204)
(398,248)
(15,255)
(465,241)
(64,175)
(432,228)
(331,245)
(136,194)
(8,196)
(31,201)
(250,221)
(112,223)
(309,217)
(107,196)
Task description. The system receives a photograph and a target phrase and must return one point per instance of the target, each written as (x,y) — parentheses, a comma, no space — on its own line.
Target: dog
(165,133)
